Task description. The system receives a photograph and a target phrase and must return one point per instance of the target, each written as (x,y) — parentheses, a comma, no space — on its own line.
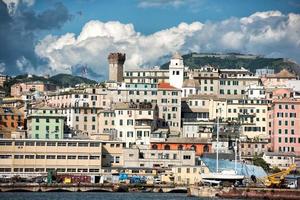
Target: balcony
(143,123)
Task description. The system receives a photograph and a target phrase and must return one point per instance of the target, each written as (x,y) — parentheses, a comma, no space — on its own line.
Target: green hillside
(233,60)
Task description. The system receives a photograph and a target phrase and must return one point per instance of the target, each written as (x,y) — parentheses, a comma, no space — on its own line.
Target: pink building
(284,122)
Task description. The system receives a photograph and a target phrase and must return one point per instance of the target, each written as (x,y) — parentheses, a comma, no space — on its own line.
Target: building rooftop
(191,83)
(184,141)
(282,74)
(279,154)
(166,86)
(134,106)
(177,55)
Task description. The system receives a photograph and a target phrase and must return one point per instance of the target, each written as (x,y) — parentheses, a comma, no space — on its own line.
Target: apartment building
(255,92)
(208,79)
(31,156)
(11,119)
(18,89)
(251,114)
(132,122)
(284,122)
(282,160)
(233,82)
(188,175)
(167,98)
(3,78)
(251,148)
(155,158)
(200,146)
(151,76)
(45,123)
(169,104)
(80,107)
(112,154)
(278,80)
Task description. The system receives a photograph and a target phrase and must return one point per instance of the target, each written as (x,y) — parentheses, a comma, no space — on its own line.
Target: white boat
(223,175)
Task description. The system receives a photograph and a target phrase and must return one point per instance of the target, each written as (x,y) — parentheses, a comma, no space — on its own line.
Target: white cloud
(12,5)
(2,67)
(266,33)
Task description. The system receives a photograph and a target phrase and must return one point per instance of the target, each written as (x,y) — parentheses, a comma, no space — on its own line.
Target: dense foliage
(194,60)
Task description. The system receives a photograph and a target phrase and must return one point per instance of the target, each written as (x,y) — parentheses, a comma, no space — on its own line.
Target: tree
(259,161)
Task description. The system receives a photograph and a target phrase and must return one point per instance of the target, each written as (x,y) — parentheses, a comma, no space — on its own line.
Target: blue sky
(61,36)
(152,18)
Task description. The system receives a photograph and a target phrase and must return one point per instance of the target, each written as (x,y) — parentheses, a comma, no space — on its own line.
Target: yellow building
(27,156)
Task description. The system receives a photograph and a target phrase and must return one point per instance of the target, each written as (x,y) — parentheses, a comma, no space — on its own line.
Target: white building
(255,92)
(176,71)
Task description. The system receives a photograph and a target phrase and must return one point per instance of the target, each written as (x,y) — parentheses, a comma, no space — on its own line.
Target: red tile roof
(165,86)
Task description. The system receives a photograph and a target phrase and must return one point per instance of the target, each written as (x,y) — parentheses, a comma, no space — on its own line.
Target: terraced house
(45,123)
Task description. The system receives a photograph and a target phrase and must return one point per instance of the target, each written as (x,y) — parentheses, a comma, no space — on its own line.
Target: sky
(61,36)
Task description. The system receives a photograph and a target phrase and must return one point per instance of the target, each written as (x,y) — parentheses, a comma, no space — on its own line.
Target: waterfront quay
(88,187)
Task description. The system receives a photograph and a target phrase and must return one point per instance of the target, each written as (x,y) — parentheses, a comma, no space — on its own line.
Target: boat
(224,175)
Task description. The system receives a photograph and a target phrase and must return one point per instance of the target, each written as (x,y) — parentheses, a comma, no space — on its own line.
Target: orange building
(199,145)
(11,119)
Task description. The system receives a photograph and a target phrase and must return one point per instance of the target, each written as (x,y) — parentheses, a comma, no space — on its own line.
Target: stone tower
(116,62)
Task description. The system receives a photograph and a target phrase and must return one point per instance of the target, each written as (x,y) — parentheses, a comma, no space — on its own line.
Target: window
(71,157)
(82,157)
(83,144)
(61,157)
(167,147)
(186,157)
(51,143)
(29,156)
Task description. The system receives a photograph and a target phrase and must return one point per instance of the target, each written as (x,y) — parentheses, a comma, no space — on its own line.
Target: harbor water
(94,196)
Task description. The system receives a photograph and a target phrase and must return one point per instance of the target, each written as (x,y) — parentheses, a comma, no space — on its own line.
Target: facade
(284,123)
(40,156)
(187,175)
(45,123)
(233,82)
(131,123)
(251,148)
(3,78)
(277,80)
(251,114)
(200,146)
(20,88)
(112,154)
(11,120)
(167,98)
(150,76)
(255,92)
(154,158)
(176,71)
(280,160)
(116,62)
(208,78)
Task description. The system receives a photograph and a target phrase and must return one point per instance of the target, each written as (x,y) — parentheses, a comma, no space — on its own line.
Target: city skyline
(48,37)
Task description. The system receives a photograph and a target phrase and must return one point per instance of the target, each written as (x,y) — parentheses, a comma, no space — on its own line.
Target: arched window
(205,148)
(154,146)
(180,147)
(167,147)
